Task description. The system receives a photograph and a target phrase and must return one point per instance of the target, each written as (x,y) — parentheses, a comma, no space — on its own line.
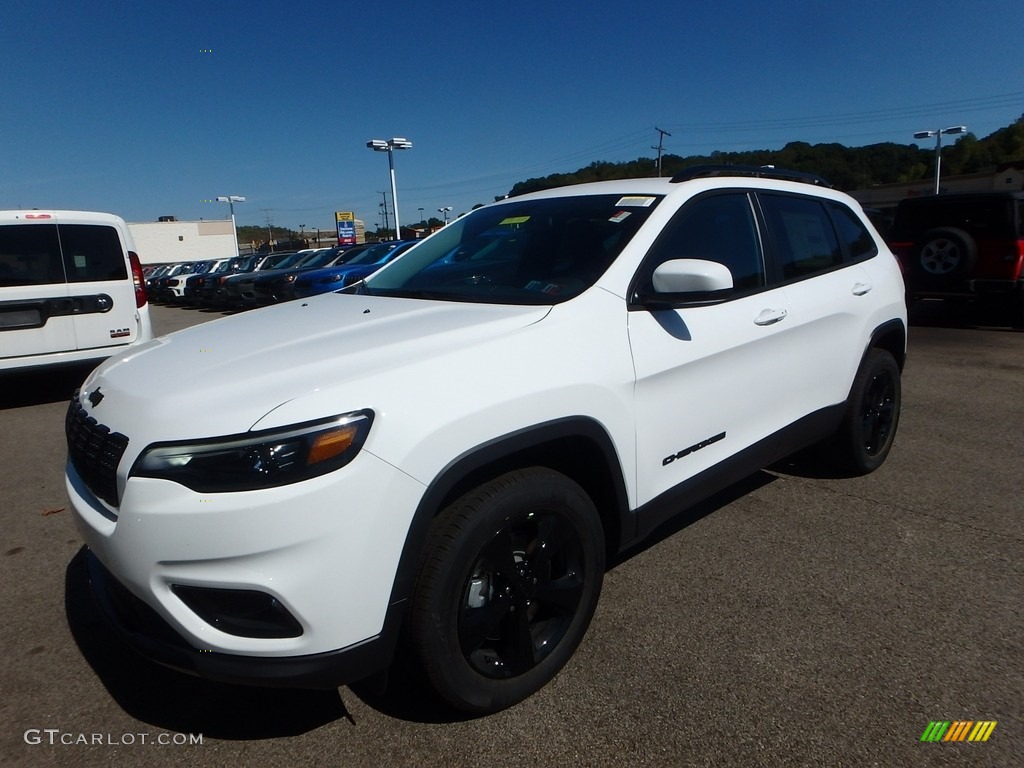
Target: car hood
(228,374)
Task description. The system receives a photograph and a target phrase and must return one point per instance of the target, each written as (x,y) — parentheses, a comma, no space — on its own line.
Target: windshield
(374,253)
(522,252)
(317,259)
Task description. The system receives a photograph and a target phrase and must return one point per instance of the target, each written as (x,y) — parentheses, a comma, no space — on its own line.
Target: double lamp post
(389,146)
(938,145)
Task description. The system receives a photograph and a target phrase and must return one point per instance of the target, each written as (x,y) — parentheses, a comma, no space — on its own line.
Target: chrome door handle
(770,316)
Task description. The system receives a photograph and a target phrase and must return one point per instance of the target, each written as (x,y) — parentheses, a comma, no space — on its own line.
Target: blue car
(362,265)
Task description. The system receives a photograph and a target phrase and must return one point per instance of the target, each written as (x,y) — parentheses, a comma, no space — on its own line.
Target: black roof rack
(758,171)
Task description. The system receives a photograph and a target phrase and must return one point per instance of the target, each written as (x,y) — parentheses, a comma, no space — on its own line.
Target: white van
(71,288)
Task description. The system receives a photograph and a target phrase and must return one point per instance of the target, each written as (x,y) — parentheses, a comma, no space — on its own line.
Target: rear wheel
(506,590)
(872,414)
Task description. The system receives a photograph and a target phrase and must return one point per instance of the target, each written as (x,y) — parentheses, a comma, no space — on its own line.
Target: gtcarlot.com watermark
(56,737)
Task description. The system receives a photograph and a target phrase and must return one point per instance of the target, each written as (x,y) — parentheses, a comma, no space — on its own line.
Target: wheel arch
(578,447)
(892,337)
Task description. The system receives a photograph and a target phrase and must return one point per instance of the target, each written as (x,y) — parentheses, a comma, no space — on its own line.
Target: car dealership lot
(794,620)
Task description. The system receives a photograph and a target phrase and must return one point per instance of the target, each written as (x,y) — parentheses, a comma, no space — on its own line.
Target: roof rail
(758,171)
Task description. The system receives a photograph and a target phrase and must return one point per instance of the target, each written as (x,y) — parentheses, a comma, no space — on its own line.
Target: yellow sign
(344,216)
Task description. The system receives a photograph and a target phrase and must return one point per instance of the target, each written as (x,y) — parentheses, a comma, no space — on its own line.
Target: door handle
(770,316)
(859,289)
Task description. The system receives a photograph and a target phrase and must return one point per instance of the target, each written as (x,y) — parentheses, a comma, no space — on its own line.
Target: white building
(159,242)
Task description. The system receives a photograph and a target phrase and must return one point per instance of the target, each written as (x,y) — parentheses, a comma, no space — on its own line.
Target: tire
(507,586)
(944,253)
(872,415)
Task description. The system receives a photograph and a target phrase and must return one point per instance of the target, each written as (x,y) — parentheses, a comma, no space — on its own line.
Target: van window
(92,252)
(30,255)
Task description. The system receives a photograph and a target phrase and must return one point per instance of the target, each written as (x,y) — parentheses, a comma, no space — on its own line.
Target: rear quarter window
(854,236)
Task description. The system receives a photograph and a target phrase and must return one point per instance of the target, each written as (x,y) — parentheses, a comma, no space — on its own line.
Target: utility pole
(270,231)
(661,145)
(384,209)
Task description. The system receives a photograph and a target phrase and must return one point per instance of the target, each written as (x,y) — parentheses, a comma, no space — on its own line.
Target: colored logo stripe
(982,730)
(958,730)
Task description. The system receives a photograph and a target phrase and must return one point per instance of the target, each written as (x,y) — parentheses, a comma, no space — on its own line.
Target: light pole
(231,200)
(422,220)
(302,234)
(938,145)
(389,146)
(444,212)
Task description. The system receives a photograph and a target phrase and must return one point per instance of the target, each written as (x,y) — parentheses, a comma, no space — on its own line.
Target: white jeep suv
(455,446)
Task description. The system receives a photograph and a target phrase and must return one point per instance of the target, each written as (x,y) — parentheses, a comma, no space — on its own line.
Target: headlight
(258,459)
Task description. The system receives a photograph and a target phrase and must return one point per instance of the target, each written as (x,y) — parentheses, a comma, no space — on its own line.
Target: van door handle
(859,289)
(770,316)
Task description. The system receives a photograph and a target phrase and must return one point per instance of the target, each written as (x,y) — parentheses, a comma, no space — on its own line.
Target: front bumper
(146,632)
(324,551)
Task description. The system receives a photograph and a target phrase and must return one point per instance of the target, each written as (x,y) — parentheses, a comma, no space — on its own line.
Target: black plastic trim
(800,434)
(149,635)
(747,171)
(34,313)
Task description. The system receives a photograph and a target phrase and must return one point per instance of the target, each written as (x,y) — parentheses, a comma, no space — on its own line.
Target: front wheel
(872,414)
(506,589)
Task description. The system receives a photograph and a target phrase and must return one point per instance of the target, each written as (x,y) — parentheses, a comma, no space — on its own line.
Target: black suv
(962,246)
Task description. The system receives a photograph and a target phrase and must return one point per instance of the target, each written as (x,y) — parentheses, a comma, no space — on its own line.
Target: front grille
(94,451)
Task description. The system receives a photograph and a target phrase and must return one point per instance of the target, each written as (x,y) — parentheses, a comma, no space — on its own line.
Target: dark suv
(962,246)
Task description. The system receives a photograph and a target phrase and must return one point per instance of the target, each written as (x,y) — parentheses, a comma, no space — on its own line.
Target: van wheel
(945,253)
(872,415)
(506,589)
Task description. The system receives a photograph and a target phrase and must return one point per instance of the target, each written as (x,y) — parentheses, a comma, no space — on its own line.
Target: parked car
(159,287)
(71,289)
(192,287)
(279,285)
(174,287)
(206,287)
(237,289)
(154,274)
(438,461)
(220,291)
(349,271)
(963,246)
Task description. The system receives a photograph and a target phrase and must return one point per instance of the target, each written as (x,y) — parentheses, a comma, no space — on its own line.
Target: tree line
(846,168)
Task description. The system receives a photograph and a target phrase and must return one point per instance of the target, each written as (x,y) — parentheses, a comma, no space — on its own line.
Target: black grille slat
(94,451)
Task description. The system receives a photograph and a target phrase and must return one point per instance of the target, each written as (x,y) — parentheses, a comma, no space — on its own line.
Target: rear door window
(92,253)
(804,242)
(30,255)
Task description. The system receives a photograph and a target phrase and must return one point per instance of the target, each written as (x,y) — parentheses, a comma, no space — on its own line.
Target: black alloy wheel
(872,415)
(878,412)
(507,588)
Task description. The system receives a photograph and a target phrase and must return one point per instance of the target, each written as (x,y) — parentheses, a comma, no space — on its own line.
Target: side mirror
(688,281)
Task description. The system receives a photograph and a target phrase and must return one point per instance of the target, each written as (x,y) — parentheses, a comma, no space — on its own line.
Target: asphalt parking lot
(795,620)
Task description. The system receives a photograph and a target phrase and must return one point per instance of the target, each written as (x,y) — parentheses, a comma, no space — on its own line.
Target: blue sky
(152,108)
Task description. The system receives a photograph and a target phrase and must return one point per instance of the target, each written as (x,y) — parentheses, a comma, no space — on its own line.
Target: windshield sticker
(619,217)
(514,220)
(636,201)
